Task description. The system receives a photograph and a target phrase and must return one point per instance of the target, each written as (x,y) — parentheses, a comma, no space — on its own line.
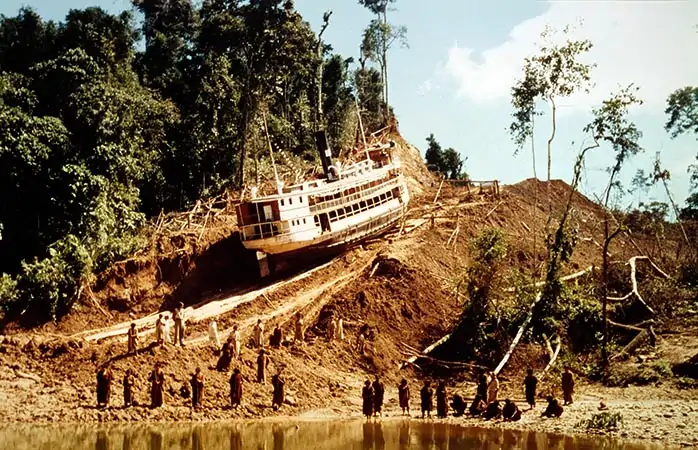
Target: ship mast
(361,128)
(271,152)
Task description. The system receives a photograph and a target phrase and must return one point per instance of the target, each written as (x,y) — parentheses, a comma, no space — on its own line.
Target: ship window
(290,200)
(362,205)
(300,199)
(282,202)
(303,219)
(333,214)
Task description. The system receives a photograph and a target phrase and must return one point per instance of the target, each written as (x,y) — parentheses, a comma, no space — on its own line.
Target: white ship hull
(322,214)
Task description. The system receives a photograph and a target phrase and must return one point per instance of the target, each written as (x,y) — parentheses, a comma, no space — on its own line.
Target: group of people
(194,391)
(230,351)
(485,404)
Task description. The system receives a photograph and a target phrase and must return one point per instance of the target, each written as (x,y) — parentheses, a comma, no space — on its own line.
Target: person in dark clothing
(482,385)
(511,412)
(459,406)
(530,384)
(157,386)
(104,378)
(236,388)
(378,396)
(197,388)
(477,406)
(278,396)
(493,411)
(367,396)
(404,396)
(276,337)
(567,386)
(553,409)
(226,357)
(441,401)
(129,385)
(426,396)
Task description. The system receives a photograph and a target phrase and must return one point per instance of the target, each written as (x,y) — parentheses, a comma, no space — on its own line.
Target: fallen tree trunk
(637,341)
(415,354)
(518,336)
(413,358)
(553,359)
(569,277)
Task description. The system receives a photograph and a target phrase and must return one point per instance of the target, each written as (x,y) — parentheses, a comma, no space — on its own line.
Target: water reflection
(341,435)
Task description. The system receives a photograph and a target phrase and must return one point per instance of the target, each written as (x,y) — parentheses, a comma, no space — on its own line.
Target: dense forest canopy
(105,122)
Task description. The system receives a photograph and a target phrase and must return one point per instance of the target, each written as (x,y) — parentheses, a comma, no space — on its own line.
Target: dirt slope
(398,290)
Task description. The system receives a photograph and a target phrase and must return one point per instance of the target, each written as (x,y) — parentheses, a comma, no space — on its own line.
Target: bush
(604,421)
(640,375)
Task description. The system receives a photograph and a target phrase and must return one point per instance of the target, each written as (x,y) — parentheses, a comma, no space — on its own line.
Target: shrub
(604,421)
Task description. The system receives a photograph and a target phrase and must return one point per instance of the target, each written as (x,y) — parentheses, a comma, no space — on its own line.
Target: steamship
(347,205)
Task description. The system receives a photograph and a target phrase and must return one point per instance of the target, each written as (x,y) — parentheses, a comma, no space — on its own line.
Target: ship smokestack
(325,153)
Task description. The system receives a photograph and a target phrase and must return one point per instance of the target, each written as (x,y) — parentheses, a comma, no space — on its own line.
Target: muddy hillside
(402,291)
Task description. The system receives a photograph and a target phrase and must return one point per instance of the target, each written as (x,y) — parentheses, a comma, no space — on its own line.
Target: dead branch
(633,345)
(493,209)
(374,269)
(28,376)
(548,346)
(525,226)
(633,278)
(439,191)
(569,277)
(518,336)
(624,326)
(203,228)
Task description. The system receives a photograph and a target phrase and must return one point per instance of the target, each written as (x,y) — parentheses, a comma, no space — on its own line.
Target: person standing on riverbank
(157,386)
(235,342)
(104,378)
(278,395)
(426,397)
(367,397)
(277,337)
(299,331)
(492,388)
(258,334)
(530,384)
(441,401)
(482,385)
(331,328)
(235,388)
(262,363)
(567,386)
(129,386)
(340,329)
(160,330)
(403,393)
(132,339)
(378,396)
(197,388)
(179,325)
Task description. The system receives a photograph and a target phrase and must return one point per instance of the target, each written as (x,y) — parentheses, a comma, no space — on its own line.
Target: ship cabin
(363,198)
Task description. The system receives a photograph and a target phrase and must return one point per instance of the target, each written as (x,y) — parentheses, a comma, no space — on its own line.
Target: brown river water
(341,435)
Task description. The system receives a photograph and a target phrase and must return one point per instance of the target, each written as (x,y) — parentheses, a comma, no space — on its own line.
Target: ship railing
(351,198)
(371,225)
(273,229)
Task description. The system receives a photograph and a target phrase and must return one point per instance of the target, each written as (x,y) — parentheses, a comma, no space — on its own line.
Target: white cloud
(426,87)
(653,44)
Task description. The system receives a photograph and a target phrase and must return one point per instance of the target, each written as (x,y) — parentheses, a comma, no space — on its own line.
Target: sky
(454,78)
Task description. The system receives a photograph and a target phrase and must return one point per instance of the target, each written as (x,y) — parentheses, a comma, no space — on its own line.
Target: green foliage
(447,162)
(584,320)
(552,73)
(638,375)
(97,134)
(604,421)
(477,328)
